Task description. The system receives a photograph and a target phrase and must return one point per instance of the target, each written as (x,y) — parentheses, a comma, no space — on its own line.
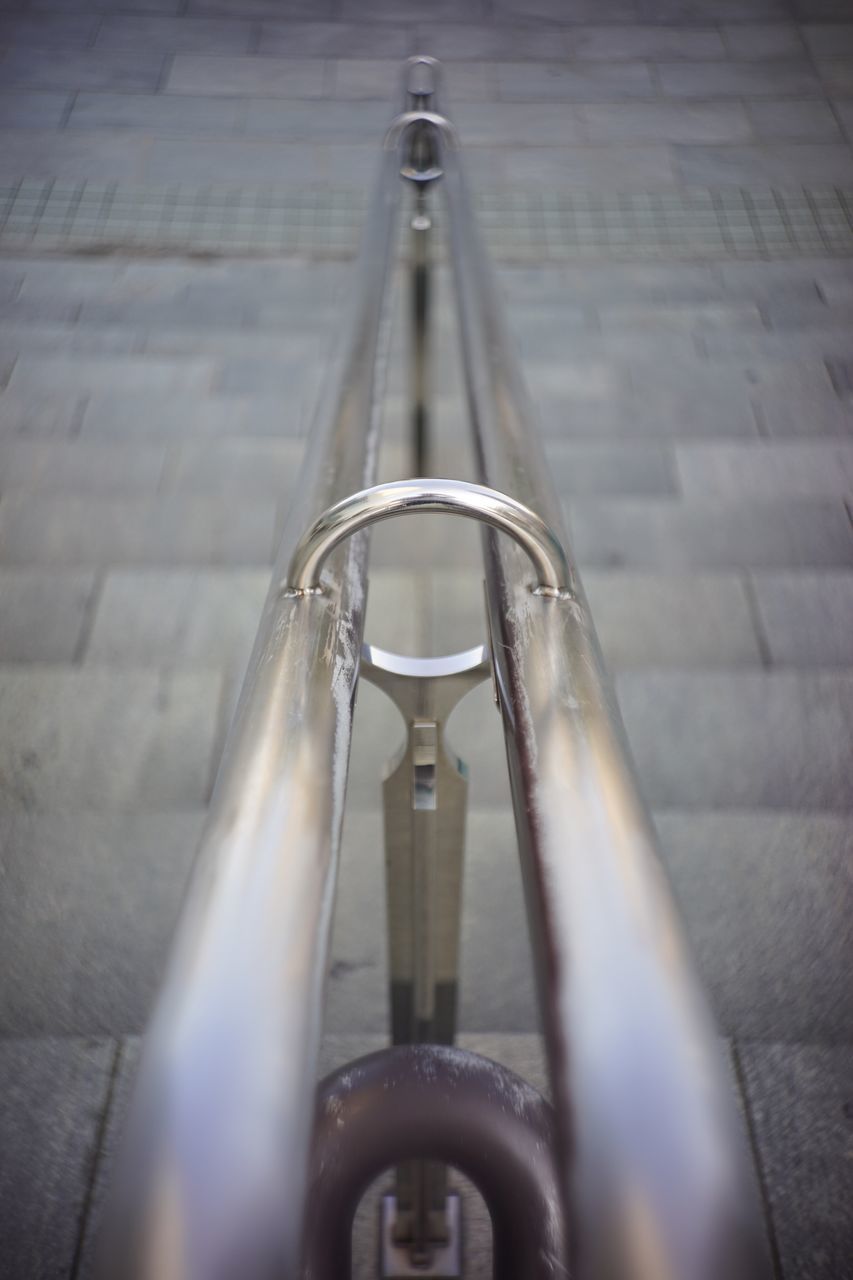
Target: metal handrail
(654,1178)
(651,1176)
(219,1132)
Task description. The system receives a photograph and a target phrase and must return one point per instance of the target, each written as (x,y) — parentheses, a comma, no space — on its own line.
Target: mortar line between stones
(755,618)
(87,622)
(95,1164)
(758,1163)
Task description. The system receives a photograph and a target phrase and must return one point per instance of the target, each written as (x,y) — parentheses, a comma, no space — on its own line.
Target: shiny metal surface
(407,121)
(441,497)
(654,1181)
(642,1157)
(442,1104)
(213,1180)
(425,795)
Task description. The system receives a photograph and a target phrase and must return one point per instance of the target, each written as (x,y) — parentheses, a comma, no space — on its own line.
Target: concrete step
(92,899)
(200,528)
(700,739)
(209,616)
(62,1104)
(106,739)
(61,1115)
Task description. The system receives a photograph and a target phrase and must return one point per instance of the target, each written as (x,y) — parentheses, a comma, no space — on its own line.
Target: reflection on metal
(444,1261)
(425,796)
(637,1173)
(212,1183)
(440,497)
(446,1105)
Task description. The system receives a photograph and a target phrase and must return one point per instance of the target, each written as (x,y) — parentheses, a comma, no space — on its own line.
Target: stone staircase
(148,450)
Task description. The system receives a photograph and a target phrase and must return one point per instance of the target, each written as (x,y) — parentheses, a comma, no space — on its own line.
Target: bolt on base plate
(395,1262)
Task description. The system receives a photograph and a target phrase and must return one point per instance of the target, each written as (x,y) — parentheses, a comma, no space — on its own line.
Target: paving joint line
(98,1149)
(758,1163)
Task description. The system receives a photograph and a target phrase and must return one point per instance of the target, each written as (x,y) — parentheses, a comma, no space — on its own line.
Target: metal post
(425,796)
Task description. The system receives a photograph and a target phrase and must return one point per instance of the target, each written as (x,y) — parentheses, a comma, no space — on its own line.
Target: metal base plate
(394,1260)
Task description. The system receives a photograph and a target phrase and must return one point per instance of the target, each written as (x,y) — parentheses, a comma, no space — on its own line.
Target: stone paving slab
(800,1100)
(90,905)
(75,466)
(629,533)
(807,618)
(798,120)
(110,416)
(156,114)
(235,468)
(762,470)
(344,39)
(168,35)
(41,69)
(53,1096)
(116,741)
(43,616)
(115,373)
(588,467)
(766,897)
(45,31)
(192,617)
(190,530)
(693,410)
(33,109)
(780,740)
(796,402)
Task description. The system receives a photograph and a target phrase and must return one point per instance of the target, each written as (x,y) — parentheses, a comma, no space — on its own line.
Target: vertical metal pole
(420,92)
(425,795)
(420,248)
(425,798)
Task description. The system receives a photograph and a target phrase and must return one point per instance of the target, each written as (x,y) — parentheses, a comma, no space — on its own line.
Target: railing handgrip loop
(443,497)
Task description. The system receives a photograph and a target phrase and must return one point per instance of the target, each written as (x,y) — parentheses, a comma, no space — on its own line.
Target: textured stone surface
(90,905)
(178,530)
(807,617)
(800,1101)
(43,616)
(52,1100)
(629,534)
(766,896)
(126,1065)
(781,740)
(103,739)
(762,470)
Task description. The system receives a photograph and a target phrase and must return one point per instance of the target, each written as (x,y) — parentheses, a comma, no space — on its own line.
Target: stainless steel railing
(647,1164)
